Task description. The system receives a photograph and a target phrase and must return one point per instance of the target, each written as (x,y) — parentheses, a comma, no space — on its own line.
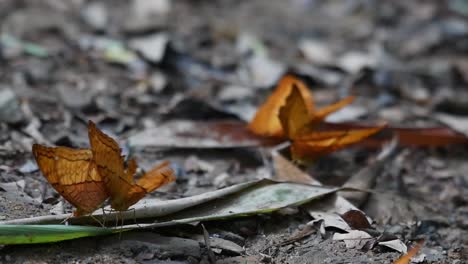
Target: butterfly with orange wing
(290,113)
(87,177)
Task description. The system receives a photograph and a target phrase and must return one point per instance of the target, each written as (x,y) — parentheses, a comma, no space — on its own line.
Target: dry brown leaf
(405,259)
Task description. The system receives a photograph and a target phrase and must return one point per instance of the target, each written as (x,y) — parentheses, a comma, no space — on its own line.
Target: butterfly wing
(110,164)
(320,143)
(319,115)
(266,121)
(150,181)
(294,115)
(157,177)
(73,174)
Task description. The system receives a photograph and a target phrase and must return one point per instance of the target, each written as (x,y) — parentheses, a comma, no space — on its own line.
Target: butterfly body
(118,179)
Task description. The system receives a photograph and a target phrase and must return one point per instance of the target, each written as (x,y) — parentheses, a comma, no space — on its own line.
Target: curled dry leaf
(356,219)
(405,259)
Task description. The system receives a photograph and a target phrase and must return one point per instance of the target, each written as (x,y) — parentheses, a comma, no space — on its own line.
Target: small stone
(151,47)
(158,81)
(316,51)
(264,71)
(95,15)
(146,15)
(28,167)
(234,92)
(10,110)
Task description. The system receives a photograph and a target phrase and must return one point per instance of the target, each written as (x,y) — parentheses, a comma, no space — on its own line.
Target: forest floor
(130,66)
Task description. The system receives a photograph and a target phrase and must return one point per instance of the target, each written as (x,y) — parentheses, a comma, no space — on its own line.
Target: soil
(405,60)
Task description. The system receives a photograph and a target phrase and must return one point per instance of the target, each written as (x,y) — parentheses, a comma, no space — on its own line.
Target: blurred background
(129,64)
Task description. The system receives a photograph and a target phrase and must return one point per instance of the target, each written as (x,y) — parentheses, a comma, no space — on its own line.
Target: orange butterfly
(266,121)
(300,126)
(118,180)
(290,113)
(87,177)
(73,174)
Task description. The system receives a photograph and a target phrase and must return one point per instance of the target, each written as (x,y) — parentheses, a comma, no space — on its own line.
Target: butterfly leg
(122,223)
(97,220)
(65,221)
(104,216)
(116,220)
(134,217)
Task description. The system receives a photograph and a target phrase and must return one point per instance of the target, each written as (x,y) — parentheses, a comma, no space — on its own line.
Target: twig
(206,237)
(366,177)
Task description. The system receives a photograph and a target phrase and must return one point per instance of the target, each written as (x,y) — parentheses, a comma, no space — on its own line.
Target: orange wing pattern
(318,144)
(300,126)
(320,115)
(266,121)
(119,180)
(150,181)
(294,115)
(73,174)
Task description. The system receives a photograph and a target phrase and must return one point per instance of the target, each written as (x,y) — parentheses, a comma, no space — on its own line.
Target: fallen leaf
(250,198)
(151,47)
(395,244)
(329,209)
(356,219)
(458,123)
(411,253)
(198,134)
(354,239)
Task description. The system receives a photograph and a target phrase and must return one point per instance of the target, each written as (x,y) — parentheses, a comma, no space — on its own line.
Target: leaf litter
(201,56)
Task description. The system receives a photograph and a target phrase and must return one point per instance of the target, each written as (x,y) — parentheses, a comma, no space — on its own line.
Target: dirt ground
(65,62)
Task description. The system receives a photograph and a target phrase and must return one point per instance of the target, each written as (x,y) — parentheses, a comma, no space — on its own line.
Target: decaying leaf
(405,259)
(250,198)
(198,134)
(354,238)
(356,219)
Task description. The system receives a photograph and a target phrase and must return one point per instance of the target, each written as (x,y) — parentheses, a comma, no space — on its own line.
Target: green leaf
(264,196)
(33,234)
